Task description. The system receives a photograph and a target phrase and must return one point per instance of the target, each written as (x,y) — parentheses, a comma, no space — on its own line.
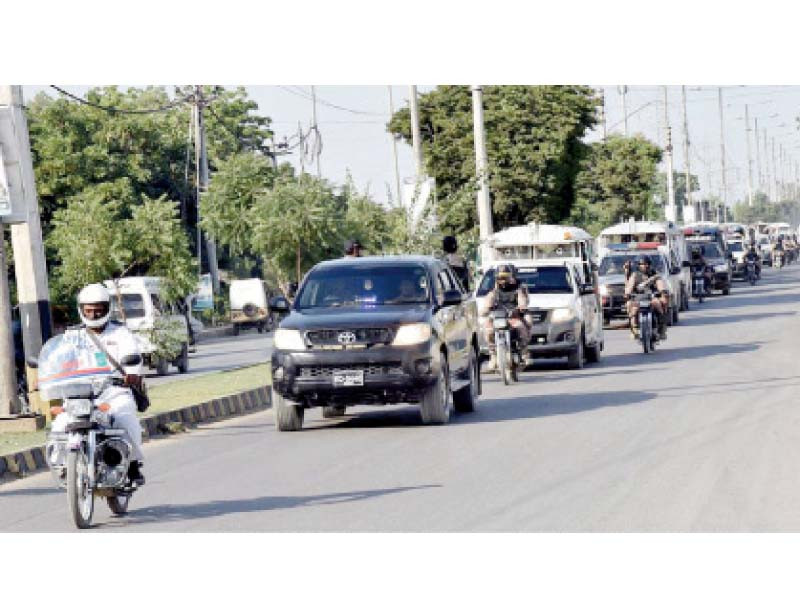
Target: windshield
(710,250)
(133,304)
(612,264)
(364,285)
(735,246)
(538,280)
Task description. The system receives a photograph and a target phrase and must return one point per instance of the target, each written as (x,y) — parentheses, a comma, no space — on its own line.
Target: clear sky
(354,133)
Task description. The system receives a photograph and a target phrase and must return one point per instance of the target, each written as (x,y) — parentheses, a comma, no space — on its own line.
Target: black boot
(135,473)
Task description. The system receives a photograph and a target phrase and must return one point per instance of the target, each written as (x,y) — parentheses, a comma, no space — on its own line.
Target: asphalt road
(703,435)
(219,354)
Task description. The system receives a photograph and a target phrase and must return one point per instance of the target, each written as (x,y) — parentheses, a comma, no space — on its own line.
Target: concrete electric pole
(724,190)
(623,93)
(758,154)
(394,149)
(749,157)
(688,208)
(670,212)
(314,126)
(30,265)
(415,135)
(201,182)
(482,169)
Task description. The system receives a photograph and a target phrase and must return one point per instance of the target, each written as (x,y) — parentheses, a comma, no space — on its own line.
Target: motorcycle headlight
(78,407)
(288,339)
(561,315)
(603,289)
(721,268)
(411,334)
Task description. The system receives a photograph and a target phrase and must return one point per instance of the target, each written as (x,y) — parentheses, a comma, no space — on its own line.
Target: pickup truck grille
(363,336)
(392,368)
(538,316)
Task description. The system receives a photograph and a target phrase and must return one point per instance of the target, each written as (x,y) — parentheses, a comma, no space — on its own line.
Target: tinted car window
(613,264)
(709,250)
(539,280)
(364,285)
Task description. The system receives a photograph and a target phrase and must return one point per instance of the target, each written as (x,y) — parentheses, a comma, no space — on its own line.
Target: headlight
(415,333)
(289,339)
(79,407)
(720,268)
(561,315)
(604,290)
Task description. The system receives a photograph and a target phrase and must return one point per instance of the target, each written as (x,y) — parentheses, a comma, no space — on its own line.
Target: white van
(161,330)
(669,240)
(554,262)
(249,306)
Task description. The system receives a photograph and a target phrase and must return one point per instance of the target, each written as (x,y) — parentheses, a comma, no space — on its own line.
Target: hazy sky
(354,131)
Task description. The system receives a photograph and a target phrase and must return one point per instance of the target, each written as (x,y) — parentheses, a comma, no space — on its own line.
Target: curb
(29,461)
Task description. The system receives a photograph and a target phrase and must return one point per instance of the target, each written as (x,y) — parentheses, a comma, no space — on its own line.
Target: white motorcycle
(91,457)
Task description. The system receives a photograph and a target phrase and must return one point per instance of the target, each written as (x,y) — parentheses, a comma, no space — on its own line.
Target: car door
(591,316)
(461,332)
(449,319)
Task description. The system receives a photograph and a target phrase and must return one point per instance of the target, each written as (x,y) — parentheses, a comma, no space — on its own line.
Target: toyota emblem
(347,337)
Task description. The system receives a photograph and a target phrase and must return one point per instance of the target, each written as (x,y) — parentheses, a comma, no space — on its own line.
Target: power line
(113,110)
(305,96)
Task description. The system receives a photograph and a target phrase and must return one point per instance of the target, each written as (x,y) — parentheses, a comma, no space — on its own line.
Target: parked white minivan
(249,306)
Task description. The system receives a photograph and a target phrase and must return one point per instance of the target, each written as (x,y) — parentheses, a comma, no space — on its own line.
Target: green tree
(616,182)
(534,146)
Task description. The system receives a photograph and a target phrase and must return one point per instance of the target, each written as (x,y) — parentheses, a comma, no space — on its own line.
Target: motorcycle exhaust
(113,459)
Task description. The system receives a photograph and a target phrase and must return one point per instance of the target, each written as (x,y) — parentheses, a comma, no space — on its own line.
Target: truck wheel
(183,360)
(235,330)
(465,399)
(675,315)
(726,291)
(331,412)
(288,416)
(435,405)
(162,366)
(575,358)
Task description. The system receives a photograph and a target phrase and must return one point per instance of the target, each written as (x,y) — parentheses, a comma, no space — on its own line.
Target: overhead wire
(306,96)
(114,110)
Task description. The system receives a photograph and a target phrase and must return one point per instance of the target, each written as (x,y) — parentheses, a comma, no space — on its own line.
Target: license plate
(348,378)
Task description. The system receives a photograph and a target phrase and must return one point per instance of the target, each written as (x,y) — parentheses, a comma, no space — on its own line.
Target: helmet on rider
(644,263)
(696,252)
(505,277)
(94,305)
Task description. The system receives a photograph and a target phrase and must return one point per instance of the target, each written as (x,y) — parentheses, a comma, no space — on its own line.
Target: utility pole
(749,157)
(724,191)
(394,148)
(30,266)
(201,182)
(670,211)
(688,208)
(758,153)
(8,374)
(314,126)
(775,174)
(623,93)
(603,112)
(767,179)
(415,135)
(481,168)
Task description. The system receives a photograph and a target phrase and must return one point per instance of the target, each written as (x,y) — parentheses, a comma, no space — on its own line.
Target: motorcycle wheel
(503,363)
(646,334)
(118,504)
(79,492)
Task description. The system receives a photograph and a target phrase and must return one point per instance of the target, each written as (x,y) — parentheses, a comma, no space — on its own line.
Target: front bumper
(549,340)
(614,306)
(721,280)
(391,374)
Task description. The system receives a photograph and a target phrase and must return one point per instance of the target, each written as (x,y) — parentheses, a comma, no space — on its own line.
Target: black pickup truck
(376,330)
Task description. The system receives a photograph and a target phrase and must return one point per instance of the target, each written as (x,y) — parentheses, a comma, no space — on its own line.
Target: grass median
(167,397)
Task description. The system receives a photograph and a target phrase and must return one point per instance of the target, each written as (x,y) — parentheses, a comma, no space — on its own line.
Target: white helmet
(95,293)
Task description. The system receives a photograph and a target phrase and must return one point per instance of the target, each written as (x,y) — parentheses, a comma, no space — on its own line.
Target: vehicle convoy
(92,455)
(666,238)
(161,330)
(249,309)
(736,246)
(374,331)
(613,277)
(764,246)
(709,239)
(554,263)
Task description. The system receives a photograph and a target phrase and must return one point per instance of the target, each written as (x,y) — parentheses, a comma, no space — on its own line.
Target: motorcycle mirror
(131,360)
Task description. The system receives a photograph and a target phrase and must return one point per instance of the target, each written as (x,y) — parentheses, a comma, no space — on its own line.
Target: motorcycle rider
(94,306)
(456,261)
(778,247)
(699,262)
(353,249)
(752,254)
(512,296)
(655,284)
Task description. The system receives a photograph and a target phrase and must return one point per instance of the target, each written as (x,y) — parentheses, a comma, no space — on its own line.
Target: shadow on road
(666,353)
(165,513)
(41,491)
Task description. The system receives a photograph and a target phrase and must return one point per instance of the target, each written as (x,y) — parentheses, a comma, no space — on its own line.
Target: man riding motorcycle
(512,296)
(655,284)
(752,254)
(94,305)
(698,262)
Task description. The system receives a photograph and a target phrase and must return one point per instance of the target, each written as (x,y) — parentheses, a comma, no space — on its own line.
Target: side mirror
(131,360)
(32,362)
(686,263)
(452,298)
(279,304)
